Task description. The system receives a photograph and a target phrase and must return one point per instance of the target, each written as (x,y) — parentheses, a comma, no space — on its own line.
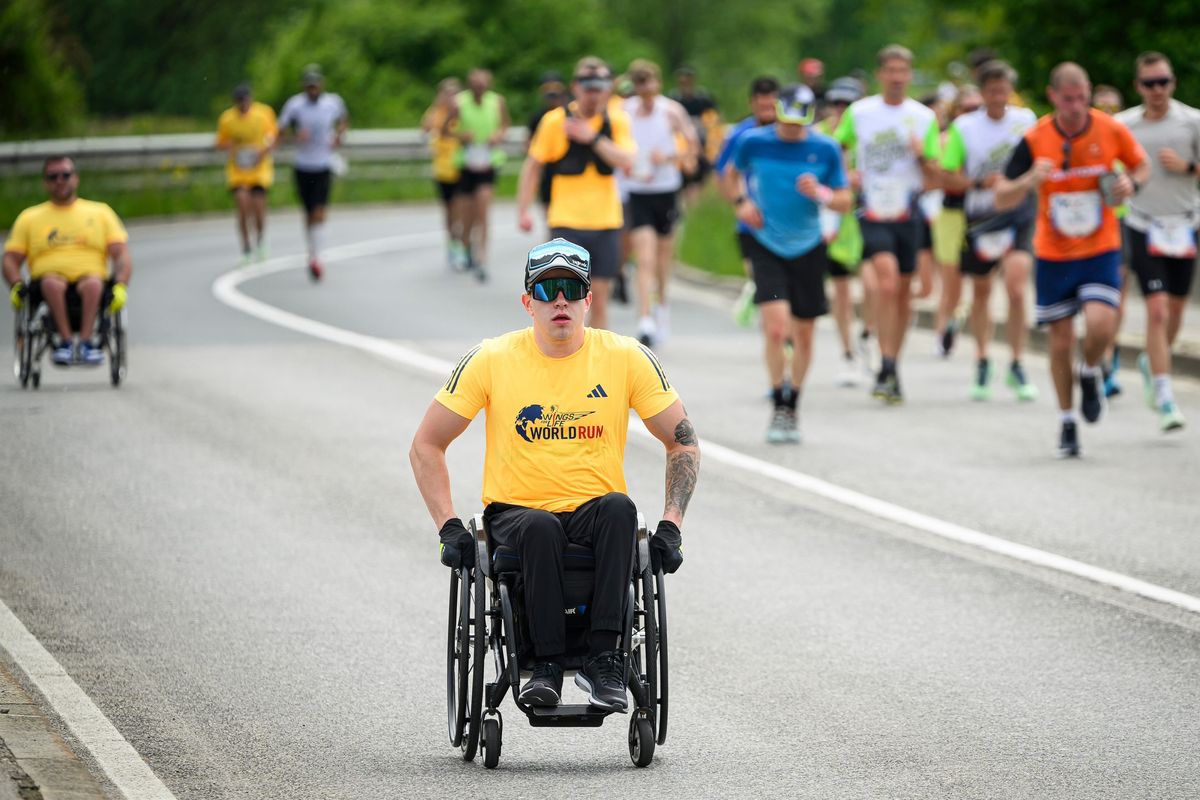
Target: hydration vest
(580,155)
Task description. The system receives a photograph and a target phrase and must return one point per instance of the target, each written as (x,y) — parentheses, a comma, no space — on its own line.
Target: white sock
(312,246)
(646,325)
(316,240)
(1094,371)
(1162,389)
(1067,416)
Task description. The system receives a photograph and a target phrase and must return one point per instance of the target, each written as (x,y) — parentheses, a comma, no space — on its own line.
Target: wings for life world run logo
(541,424)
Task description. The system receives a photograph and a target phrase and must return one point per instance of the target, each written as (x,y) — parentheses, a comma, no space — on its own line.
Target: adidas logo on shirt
(597,392)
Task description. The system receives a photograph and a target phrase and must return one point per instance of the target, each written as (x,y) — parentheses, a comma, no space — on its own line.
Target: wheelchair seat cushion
(575,558)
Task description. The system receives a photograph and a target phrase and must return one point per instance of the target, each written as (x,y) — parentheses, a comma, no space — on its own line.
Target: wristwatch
(1191,168)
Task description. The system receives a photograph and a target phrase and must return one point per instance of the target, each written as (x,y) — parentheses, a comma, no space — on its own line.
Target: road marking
(103,743)
(226,290)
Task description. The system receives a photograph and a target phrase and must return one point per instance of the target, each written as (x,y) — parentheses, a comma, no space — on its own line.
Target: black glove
(666,547)
(458,545)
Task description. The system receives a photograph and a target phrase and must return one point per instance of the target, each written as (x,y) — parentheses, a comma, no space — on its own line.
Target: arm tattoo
(682,471)
(685,434)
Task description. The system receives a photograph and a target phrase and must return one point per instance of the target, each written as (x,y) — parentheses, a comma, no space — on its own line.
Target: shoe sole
(586,685)
(541,696)
(1064,454)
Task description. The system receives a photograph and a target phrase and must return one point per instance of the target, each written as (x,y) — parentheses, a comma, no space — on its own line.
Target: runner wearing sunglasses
(557,397)
(1161,223)
(1069,159)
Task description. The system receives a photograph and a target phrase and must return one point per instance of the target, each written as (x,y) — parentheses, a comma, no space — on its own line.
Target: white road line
(115,757)
(226,290)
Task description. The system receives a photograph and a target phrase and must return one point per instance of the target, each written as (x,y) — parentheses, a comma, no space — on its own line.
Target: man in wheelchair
(68,242)
(557,397)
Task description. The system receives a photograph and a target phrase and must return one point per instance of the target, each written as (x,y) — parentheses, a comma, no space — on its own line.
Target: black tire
(456,692)
(22,349)
(661,618)
(641,740)
(511,660)
(646,656)
(490,742)
(116,354)
(477,642)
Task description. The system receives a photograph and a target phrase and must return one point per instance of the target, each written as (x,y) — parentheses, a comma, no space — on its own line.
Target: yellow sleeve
(468,388)
(114,231)
(223,129)
(549,141)
(622,131)
(18,237)
(649,390)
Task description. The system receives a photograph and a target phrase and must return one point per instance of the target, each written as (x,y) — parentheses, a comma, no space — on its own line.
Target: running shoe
(744,308)
(945,343)
(246,259)
(620,293)
(603,678)
(1169,417)
(662,322)
(1068,441)
(315,271)
(64,354)
(1143,362)
(892,394)
(981,389)
(850,374)
(880,390)
(90,354)
(783,423)
(260,252)
(1091,403)
(544,688)
(481,273)
(1016,380)
(647,331)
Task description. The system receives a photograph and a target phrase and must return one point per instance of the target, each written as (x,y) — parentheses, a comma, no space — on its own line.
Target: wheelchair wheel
(456,675)
(645,656)
(116,349)
(641,740)
(22,349)
(474,627)
(490,741)
(661,618)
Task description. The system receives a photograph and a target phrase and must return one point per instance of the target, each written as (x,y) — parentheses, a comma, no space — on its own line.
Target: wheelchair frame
(34,330)
(483,617)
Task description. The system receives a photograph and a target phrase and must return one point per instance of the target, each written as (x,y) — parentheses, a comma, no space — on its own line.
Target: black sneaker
(620,294)
(1068,441)
(892,392)
(880,391)
(544,688)
(947,340)
(603,678)
(1091,403)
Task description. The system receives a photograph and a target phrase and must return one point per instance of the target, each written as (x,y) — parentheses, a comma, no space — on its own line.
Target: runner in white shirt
(1161,222)
(895,144)
(977,147)
(659,125)
(319,120)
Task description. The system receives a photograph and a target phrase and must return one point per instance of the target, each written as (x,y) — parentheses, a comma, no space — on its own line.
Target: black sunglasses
(55,176)
(1151,83)
(547,289)
(1066,165)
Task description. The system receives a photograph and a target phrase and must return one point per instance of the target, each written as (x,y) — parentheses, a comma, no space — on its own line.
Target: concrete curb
(1185,360)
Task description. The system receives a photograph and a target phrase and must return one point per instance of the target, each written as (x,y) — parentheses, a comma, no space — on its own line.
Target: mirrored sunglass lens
(548,290)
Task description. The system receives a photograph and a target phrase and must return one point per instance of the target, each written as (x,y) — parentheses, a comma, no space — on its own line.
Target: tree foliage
(40,92)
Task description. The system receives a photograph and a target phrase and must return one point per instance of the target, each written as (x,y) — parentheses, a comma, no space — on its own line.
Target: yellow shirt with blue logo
(556,427)
(71,241)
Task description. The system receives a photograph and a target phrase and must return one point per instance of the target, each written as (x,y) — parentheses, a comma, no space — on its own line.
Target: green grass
(708,241)
(178,190)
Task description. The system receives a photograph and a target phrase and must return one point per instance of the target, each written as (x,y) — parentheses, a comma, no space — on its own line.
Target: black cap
(241,91)
(764,84)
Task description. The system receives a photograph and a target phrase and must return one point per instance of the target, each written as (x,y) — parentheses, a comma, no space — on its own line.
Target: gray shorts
(603,246)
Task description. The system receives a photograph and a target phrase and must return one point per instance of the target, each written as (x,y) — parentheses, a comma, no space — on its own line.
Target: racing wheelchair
(487,615)
(35,329)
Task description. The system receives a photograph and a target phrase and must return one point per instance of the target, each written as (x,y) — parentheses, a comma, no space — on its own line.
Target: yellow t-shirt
(588,201)
(556,427)
(248,133)
(444,148)
(71,241)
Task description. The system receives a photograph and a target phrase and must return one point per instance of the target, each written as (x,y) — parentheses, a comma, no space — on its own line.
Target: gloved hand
(16,295)
(458,545)
(666,547)
(119,295)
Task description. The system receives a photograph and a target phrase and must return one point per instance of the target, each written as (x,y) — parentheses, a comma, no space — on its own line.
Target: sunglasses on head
(559,255)
(1151,83)
(547,289)
(55,176)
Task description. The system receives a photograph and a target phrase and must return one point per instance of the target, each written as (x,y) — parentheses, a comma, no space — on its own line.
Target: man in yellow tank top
(68,242)
(557,397)
(247,131)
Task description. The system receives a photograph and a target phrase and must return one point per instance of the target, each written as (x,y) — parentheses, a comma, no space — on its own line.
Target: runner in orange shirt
(1068,158)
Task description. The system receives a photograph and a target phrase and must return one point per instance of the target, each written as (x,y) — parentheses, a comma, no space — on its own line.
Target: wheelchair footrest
(566,716)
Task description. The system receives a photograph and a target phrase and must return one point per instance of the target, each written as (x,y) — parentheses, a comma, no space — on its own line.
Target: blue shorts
(1064,286)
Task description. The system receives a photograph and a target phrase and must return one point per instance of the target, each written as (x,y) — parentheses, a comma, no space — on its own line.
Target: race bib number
(1076,213)
(643,167)
(887,199)
(246,157)
(478,158)
(931,204)
(1171,239)
(831,224)
(980,202)
(995,245)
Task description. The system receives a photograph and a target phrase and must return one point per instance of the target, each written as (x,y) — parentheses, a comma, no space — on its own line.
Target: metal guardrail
(166,151)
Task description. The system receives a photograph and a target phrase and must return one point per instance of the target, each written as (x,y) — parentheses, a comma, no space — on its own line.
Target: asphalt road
(229,556)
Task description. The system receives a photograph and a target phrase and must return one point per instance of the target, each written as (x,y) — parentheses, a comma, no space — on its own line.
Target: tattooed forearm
(682,470)
(685,434)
